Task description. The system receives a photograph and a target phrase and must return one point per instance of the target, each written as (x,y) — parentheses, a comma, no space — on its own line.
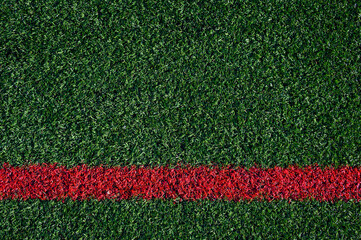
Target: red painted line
(53,182)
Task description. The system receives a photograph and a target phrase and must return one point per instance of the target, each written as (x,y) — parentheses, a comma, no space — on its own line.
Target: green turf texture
(271,82)
(35,219)
(160,82)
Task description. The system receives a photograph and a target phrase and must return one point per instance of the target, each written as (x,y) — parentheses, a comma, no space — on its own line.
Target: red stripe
(51,182)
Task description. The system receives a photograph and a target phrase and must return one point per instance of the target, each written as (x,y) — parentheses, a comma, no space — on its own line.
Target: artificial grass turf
(155,82)
(51,182)
(140,219)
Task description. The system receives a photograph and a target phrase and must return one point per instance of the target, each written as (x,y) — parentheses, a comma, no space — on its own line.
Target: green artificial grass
(271,83)
(36,219)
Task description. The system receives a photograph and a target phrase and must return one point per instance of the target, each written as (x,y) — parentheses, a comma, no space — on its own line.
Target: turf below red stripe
(52,182)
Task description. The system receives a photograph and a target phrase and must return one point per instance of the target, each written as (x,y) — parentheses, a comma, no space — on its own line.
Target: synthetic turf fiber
(49,182)
(203,84)
(271,83)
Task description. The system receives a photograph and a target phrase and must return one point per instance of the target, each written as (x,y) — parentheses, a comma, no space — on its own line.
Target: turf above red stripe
(53,182)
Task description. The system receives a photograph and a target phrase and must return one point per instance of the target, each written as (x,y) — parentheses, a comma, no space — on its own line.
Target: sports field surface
(173,97)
